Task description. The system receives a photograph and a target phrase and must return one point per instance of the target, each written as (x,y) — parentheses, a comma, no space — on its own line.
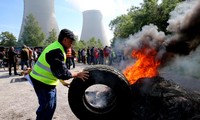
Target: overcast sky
(68,13)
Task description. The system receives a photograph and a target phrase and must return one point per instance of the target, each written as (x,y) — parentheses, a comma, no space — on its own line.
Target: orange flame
(145,66)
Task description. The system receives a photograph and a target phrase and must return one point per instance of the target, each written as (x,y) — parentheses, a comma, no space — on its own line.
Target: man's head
(66,37)
(24,46)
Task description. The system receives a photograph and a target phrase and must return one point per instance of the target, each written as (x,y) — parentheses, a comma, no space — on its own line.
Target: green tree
(163,13)
(85,44)
(7,39)
(79,45)
(99,44)
(32,34)
(150,12)
(52,37)
(92,42)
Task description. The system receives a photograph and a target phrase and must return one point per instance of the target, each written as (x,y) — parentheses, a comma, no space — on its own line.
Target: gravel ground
(19,101)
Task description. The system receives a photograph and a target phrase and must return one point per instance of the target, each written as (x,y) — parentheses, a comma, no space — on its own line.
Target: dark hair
(66,33)
(10,48)
(24,46)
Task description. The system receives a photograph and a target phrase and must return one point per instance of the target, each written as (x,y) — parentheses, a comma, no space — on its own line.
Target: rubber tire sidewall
(106,75)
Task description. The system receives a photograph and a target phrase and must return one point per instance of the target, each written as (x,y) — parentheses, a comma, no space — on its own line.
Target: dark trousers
(73,62)
(47,100)
(88,59)
(68,62)
(12,64)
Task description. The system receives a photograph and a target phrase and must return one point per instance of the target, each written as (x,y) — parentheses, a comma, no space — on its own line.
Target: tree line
(33,36)
(150,12)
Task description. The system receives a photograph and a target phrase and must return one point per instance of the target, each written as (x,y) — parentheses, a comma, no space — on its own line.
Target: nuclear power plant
(93,27)
(43,11)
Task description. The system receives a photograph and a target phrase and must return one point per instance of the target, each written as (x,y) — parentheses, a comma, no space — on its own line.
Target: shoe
(10,74)
(16,74)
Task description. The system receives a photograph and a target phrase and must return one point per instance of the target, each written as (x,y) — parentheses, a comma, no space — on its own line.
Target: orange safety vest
(69,52)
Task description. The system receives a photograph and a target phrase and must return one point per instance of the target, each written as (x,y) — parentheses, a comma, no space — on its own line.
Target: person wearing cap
(48,70)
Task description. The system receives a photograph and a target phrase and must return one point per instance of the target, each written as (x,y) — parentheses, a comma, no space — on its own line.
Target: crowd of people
(26,57)
(94,56)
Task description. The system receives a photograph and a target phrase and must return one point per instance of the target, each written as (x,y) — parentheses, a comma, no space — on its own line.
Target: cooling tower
(43,11)
(93,27)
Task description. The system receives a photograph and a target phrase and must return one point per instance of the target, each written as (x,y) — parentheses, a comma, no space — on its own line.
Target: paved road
(19,102)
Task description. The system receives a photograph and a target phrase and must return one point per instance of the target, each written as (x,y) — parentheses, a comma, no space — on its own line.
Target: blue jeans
(47,101)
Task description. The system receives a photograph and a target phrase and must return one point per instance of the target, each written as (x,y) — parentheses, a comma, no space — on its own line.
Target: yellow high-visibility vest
(42,71)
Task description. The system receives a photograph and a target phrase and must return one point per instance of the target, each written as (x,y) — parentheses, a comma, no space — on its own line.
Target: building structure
(93,27)
(44,13)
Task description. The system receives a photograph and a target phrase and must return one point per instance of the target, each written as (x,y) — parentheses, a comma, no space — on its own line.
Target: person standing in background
(88,56)
(73,56)
(69,56)
(79,56)
(83,54)
(12,60)
(106,55)
(30,61)
(35,55)
(24,57)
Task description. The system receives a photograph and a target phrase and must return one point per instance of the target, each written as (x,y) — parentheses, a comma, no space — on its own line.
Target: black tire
(106,75)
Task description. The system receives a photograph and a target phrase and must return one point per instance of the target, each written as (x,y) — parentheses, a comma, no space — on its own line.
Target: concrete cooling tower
(93,27)
(44,13)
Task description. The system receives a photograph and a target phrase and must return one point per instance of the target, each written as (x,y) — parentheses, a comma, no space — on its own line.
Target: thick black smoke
(185,27)
(178,51)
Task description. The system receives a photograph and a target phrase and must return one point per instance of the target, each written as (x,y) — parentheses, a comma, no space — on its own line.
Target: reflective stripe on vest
(42,71)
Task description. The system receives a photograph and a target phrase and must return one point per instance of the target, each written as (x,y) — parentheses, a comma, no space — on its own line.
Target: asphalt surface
(19,102)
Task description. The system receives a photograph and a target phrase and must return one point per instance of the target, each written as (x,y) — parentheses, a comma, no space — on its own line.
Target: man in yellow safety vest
(48,70)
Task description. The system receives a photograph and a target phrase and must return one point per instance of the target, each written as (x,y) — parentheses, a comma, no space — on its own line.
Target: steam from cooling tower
(44,13)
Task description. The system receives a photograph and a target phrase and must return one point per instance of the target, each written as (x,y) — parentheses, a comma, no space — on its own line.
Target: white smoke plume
(184,24)
(178,17)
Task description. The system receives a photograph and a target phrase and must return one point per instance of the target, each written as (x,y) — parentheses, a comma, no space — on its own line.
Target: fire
(145,66)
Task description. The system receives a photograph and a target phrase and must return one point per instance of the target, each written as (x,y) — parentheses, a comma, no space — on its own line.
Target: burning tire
(160,99)
(105,95)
